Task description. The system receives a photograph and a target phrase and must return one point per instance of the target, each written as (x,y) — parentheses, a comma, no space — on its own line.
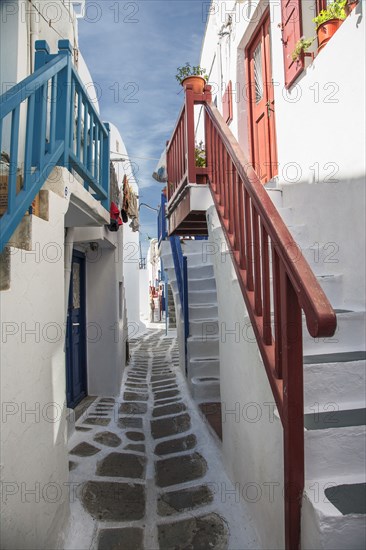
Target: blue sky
(132,49)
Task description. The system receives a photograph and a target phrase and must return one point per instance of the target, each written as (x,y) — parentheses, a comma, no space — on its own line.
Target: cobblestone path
(147,470)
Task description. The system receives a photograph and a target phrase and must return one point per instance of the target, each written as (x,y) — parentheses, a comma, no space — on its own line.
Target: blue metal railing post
(181,272)
(162,232)
(105,167)
(64,112)
(185,308)
(41,57)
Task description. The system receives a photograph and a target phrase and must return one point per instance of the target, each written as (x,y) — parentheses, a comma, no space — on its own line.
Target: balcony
(188,192)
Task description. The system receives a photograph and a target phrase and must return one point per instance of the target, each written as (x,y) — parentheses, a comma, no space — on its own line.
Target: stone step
(209,348)
(350,336)
(275,196)
(194,247)
(200,272)
(335,377)
(202,312)
(200,259)
(203,329)
(322,258)
(202,296)
(334,442)
(202,284)
(201,367)
(205,387)
(287,214)
(333,513)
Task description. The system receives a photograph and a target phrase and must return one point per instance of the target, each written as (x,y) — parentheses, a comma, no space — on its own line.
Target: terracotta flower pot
(198,83)
(326,30)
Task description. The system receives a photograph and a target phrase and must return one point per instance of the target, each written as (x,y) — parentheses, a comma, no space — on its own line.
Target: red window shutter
(227,103)
(291,33)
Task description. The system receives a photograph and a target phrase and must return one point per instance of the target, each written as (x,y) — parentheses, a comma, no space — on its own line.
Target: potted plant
(196,76)
(328,21)
(301,47)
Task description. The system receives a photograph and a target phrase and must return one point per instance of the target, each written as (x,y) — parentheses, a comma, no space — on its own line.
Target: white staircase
(203,372)
(334,504)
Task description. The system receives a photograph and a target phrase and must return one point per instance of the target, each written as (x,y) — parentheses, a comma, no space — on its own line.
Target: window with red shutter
(227,104)
(291,33)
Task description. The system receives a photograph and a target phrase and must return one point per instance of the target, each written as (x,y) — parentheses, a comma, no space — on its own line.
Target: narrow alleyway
(147,473)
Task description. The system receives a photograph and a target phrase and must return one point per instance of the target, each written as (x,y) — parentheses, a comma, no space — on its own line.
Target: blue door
(76,381)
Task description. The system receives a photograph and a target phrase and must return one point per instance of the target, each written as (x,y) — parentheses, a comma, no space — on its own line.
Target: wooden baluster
(267,331)
(257,263)
(208,143)
(230,210)
(241,222)
(190,137)
(276,289)
(225,181)
(248,241)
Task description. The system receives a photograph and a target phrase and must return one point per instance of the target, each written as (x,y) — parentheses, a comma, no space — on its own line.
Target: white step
(194,247)
(300,234)
(350,335)
(341,381)
(275,196)
(202,284)
(200,258)
(202,297)
(322,258)
(202,312)
(323,524)
(205,387)
(196,347)
(200,272)
(203,367)
(204,329)
(332,287)
(331,451)
(287,214)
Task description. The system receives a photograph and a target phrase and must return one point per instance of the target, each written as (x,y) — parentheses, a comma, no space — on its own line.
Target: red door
(262,125)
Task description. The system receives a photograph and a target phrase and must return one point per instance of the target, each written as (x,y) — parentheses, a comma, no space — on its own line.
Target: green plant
(335,10)
(187,70)
(200,155)
(301,46)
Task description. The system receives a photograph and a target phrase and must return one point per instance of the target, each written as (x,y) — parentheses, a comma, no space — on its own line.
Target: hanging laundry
(116,220)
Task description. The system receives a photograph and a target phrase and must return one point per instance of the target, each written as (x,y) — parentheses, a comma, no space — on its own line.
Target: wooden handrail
(256,233)
(320,316)
(276,281)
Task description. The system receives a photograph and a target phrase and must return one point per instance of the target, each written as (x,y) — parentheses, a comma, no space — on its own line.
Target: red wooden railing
(277,285)
(181,165)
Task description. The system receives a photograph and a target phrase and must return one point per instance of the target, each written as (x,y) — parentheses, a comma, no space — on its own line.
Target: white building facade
(294,121)
(64,304)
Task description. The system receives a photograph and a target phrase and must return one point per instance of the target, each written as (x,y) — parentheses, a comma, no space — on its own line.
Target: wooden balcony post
(293,410)
(190,143)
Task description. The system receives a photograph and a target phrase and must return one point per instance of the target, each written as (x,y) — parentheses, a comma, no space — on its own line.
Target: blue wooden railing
(63,128)
(162,222)
(181,271)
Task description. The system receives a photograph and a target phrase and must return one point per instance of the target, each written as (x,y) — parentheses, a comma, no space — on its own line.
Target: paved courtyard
(147,468)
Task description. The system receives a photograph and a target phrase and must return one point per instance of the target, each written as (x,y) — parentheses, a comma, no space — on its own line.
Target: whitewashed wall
(33,389)
(131,240)
(252,431)
(319,125)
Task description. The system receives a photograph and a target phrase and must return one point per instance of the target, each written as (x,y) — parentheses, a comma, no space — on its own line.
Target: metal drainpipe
(69,243)
(34,33)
